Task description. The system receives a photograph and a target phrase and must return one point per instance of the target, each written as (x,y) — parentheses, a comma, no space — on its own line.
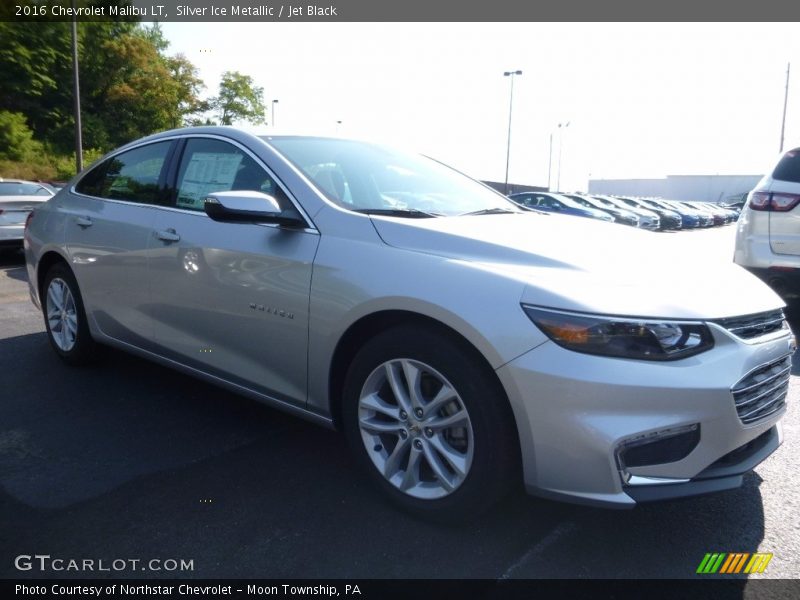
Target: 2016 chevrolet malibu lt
(464,345)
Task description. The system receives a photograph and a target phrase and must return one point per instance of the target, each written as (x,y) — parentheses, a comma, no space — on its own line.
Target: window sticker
(207,172)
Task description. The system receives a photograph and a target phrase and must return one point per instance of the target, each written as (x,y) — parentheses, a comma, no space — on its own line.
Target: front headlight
(624,337)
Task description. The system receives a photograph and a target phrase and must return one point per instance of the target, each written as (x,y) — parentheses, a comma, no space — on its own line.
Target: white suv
(768,232)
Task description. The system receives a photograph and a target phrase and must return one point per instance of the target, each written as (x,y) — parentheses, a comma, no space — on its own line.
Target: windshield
(371,178)
(567,201)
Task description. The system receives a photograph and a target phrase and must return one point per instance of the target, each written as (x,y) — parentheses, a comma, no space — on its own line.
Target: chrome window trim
(310,226)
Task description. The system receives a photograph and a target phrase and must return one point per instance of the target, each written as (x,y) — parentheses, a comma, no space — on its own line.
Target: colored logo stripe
(722,562)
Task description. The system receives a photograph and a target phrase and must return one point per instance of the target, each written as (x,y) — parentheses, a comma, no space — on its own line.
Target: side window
(788,168)
(211,165)
(133,175)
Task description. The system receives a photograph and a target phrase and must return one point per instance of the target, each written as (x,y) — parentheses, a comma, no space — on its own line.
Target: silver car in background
(462,344)
(17,199)
(768,228)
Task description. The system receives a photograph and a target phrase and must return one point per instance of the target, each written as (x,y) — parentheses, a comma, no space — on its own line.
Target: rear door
(231,299)
(110,217)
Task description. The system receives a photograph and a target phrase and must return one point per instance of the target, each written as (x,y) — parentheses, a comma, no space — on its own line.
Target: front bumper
(575,411)
(725,474)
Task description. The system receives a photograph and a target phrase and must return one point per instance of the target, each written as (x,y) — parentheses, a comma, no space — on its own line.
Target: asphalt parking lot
(127,460)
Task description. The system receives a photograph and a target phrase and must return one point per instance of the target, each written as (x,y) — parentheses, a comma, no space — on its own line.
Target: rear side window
(135,175)
(788,168)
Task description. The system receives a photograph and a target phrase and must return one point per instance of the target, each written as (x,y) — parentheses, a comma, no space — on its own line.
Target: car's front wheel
(430,423)
(65,317)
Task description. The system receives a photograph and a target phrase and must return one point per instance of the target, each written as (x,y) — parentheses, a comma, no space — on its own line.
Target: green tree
(130,87)
(239,99)
(16,138)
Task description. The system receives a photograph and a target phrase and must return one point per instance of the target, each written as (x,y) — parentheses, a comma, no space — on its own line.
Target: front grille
(762,392)
(751,326)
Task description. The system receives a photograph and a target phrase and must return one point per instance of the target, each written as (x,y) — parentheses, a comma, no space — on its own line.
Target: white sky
(643,100)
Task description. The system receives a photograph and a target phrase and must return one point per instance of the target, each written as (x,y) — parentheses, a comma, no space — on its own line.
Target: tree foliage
(239,99)
(130,87)
(16,138)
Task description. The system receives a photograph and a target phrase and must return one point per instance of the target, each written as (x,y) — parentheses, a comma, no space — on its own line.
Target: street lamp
(510,107)
(561,128)
(338,125)
(274,102)
(76,93)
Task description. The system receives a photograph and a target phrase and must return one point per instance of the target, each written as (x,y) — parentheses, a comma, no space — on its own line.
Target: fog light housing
(657,448)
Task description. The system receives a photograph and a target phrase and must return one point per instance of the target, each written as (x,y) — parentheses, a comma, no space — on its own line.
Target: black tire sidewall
(494,462)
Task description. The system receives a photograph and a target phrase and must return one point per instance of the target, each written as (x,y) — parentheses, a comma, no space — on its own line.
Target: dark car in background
(706,218)
(551,202)
(647,218)
(689,219)
(729,215)
(717,217)
(669,218)
(620,215)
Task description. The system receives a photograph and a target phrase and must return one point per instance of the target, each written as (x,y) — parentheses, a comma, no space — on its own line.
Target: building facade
(706,188)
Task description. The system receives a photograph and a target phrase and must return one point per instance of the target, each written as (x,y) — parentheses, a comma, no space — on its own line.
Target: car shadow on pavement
(13,263)
(129,459)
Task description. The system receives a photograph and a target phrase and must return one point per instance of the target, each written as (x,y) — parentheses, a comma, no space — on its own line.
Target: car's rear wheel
(65,317)
(429,422)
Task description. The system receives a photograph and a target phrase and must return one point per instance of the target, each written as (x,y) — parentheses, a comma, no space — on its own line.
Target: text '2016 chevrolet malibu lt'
(463,344)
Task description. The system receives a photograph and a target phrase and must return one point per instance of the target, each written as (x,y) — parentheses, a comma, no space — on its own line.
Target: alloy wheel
(416,428)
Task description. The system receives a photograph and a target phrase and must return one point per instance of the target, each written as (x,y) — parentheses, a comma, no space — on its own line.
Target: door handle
(84,222)
(168,235)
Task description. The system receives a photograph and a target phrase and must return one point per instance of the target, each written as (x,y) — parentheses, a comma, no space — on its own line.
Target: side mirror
(243,206)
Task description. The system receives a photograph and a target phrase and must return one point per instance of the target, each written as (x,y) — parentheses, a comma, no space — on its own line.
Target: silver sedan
(464,345)
(17,199)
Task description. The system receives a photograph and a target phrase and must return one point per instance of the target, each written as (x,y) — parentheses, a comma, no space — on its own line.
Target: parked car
(550,202)
(464,345)
(767,232)
(669,218)
(705,217)
(620,215)
(647,218)
(17,198)
(727,215)
(689,219)
(719,218)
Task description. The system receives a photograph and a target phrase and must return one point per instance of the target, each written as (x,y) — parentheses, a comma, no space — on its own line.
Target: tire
(65,317)
(456,460)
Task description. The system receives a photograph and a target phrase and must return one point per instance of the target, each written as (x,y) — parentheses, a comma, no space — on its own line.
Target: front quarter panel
(358,275)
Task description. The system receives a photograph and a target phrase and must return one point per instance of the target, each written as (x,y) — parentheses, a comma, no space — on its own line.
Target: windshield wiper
(489,211)
(411,213)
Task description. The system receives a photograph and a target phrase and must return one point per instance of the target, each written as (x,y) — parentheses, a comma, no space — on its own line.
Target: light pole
(785,101)
(561,128)
(274,102)
(510,108)
(550,162)
(338,125)
(76,92)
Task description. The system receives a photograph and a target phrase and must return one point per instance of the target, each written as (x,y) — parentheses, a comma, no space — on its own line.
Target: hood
(593,266)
